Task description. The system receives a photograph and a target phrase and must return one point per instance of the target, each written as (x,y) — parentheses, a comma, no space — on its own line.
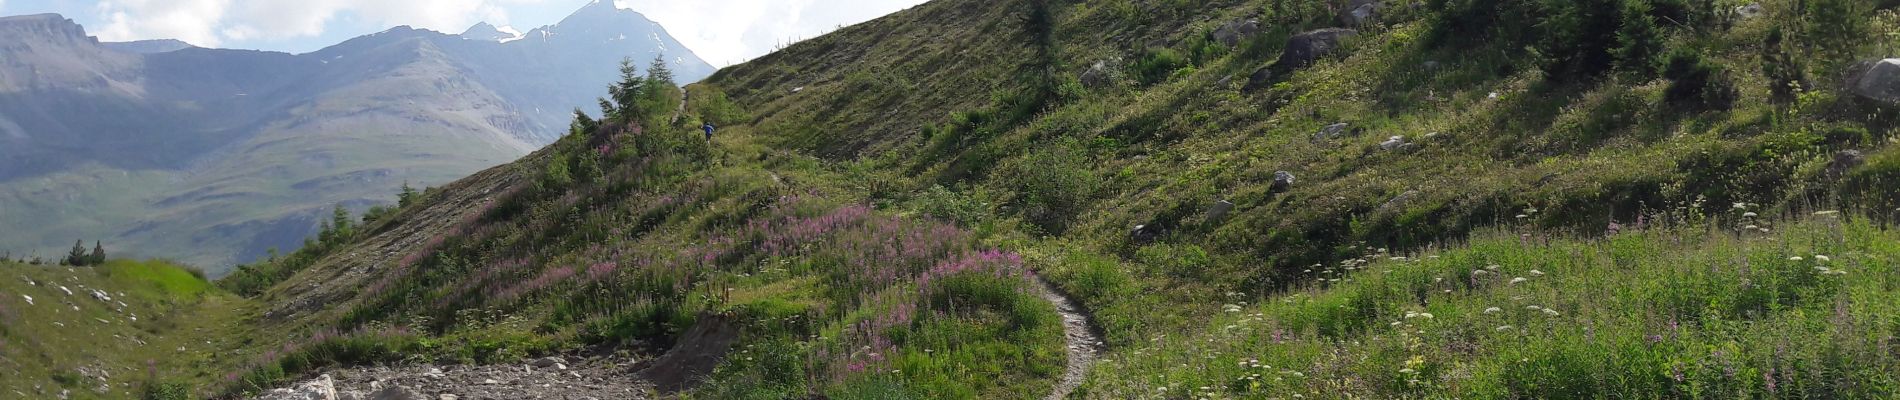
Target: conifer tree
(98,256)
(407,197)
(77,257)
(1638,41)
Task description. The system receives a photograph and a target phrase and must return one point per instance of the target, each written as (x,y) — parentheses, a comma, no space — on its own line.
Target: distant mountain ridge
(160,145)
(150,46)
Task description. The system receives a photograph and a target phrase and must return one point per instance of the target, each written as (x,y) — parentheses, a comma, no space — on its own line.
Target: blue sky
(721,31)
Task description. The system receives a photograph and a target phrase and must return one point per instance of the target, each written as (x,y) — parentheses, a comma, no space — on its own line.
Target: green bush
(1157,64)
(166,391)
(1051,184)
(950,205)
(1698,84)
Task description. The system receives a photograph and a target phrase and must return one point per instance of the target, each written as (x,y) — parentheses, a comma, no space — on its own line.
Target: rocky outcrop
(1303,50)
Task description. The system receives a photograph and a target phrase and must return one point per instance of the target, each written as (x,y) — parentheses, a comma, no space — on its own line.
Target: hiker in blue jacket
(709,130)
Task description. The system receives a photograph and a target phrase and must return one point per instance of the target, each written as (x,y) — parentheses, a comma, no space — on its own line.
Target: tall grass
(1695,312)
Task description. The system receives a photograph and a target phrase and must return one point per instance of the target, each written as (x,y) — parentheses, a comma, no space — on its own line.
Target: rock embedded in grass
(1878,81)
(1233,32)
(1282,181)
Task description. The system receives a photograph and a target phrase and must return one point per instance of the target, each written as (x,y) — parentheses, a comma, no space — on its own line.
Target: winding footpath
(1081,338)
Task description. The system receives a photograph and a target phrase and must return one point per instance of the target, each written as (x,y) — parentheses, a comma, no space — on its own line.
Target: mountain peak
(485,32)
(599,6)
(43,26)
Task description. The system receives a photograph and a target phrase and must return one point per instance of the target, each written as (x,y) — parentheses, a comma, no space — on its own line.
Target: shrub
(1698,84)
(950,205)
(166,391)
(1051,184)
(1157,64)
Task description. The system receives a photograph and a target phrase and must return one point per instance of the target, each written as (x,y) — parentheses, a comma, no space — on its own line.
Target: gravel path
(1084,342)
(552,378)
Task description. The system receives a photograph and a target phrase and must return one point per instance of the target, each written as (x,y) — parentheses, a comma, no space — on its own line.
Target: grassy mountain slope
(875,194)
(126,327)
(213,157)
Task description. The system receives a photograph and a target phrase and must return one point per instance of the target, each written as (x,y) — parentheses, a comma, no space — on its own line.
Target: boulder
(1393,143)
(1305,49)
(1143,234)
(1259,79)
(1219,210)
(1844,161)
(1282,181)
(1750,11)
(1333,131)
(1233,32)
(1359,13)
(1101,74)
(1879,82)
(1399,202)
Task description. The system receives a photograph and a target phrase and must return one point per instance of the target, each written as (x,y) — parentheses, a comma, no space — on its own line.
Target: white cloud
(211,22)
(721,31)
(731,31)
(193,21)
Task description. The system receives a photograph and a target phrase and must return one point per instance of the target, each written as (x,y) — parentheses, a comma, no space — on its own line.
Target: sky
(723,32)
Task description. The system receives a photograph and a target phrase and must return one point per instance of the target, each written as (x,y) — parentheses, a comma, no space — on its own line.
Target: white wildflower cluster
(1822,269)
(1750,219)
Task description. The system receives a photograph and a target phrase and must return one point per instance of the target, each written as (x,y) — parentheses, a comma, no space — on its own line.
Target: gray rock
(1219,210)
(1259,79)
(1143,234)
(1100,74)
(1305,49)
(1879,82)
(1750,11)
(1333,131)
(1282,181)
(1844,161)
(322,388)
(1233,32)
(1399,201)
(1360,13)
(1393,143)
(396,393)
(545,362)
